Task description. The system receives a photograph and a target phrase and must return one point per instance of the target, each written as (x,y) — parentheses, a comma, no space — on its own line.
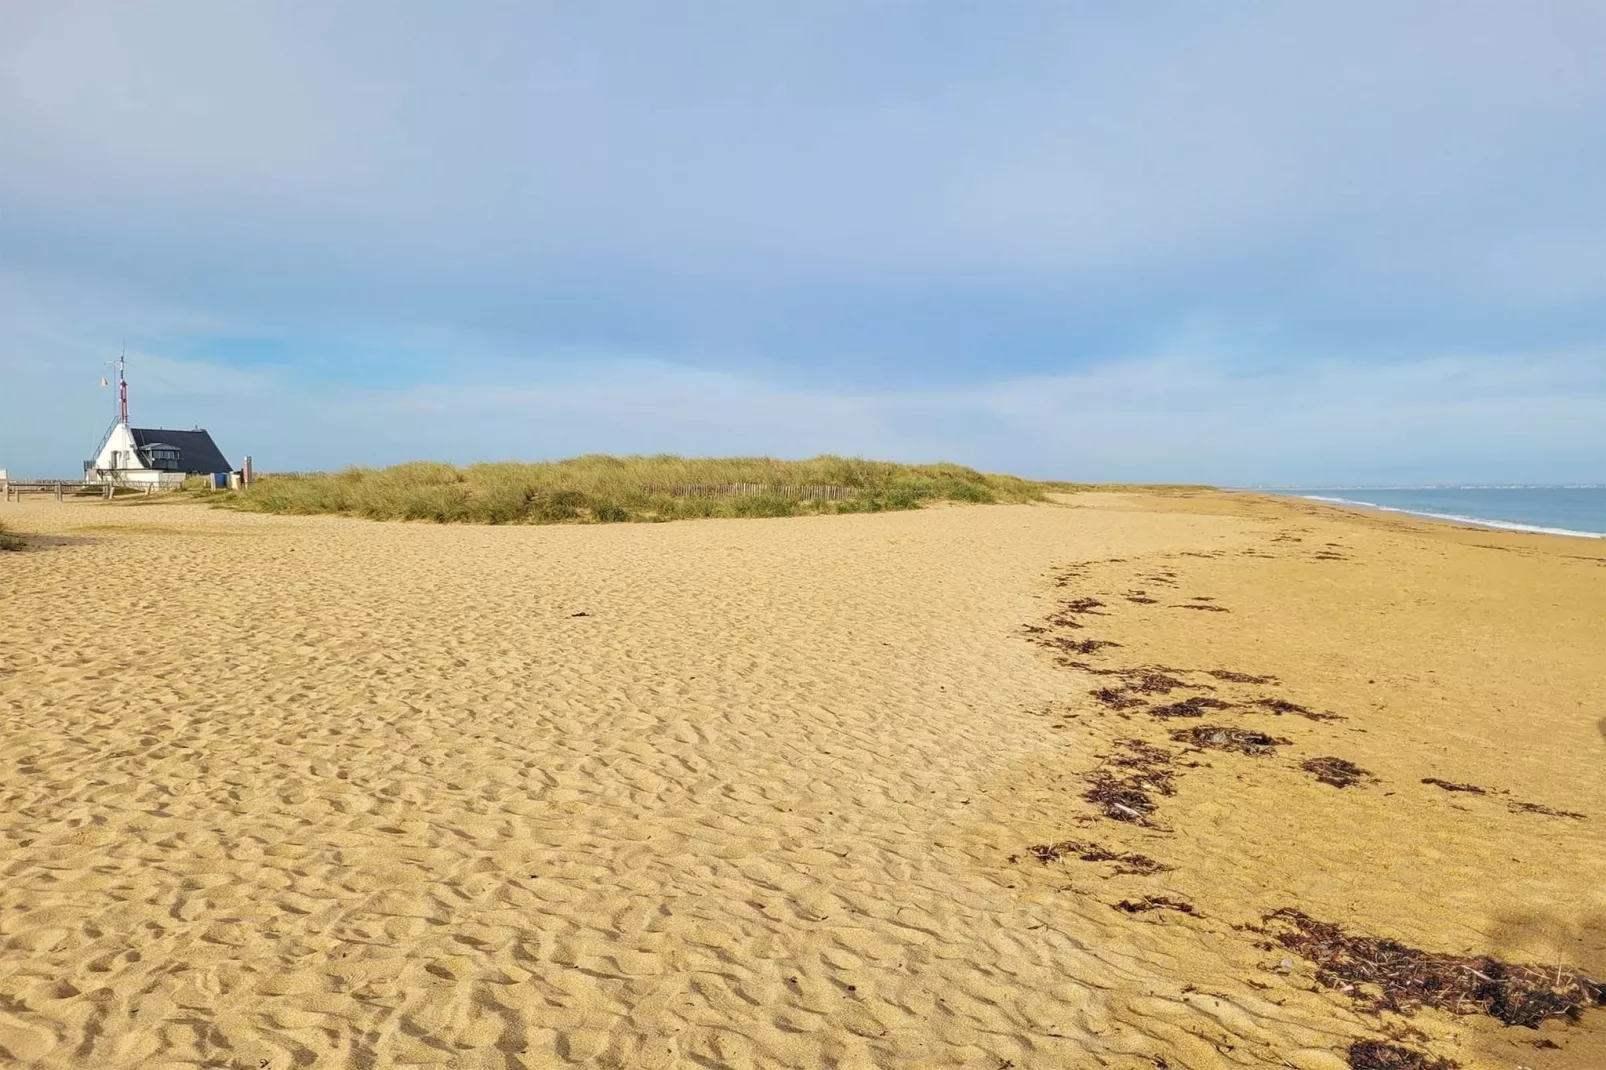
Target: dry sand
(283,792)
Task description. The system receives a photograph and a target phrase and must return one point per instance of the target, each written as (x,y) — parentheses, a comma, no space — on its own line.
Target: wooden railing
(62,488)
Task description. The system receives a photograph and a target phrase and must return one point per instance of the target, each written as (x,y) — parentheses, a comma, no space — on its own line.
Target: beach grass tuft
(600,488)
(9,541)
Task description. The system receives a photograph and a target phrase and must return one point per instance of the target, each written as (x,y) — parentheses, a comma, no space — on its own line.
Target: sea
(1571,510)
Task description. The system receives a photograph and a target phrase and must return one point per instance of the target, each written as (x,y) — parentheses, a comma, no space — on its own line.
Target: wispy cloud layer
(1274,243)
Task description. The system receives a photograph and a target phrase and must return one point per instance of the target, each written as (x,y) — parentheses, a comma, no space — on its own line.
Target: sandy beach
(319,792)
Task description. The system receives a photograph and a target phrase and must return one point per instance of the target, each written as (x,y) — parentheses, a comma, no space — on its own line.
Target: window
(167,458)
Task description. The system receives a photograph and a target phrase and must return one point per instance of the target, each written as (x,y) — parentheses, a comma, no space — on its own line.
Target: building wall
(140,477)
(117,455)
(118,462)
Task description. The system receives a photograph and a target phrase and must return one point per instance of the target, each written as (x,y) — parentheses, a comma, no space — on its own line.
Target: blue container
(220,481)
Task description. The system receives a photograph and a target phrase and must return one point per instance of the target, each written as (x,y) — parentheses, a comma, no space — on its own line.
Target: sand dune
(281,791)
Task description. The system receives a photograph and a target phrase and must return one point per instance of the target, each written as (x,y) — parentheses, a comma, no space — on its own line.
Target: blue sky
(1237,242)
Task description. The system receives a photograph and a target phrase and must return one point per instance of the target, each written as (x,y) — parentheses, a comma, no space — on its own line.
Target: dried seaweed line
(1406,978)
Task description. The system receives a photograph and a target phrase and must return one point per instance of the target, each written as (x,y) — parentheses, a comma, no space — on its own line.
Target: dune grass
(606,489)
(9,541)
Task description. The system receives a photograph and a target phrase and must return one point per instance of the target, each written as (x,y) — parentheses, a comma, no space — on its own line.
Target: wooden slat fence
(63,488)
(819,492)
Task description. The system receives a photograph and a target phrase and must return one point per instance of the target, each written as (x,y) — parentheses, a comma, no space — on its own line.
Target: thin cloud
(880,228)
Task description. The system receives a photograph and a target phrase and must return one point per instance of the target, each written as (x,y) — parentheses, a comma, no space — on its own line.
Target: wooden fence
(818,492)
(63,488)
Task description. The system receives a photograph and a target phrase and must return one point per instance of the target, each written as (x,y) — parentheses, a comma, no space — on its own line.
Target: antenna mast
(121,364)
(122,384)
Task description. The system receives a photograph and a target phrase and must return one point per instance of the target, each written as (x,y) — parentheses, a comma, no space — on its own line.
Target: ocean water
(1550,510)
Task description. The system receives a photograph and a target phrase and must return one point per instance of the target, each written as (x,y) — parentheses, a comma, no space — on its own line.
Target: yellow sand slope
(284,792)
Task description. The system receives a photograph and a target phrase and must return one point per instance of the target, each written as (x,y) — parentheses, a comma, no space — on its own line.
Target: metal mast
(121,364)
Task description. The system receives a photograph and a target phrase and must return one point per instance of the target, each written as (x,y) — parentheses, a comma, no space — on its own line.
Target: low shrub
(608,490)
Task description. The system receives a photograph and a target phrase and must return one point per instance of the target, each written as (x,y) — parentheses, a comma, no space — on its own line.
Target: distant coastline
(1576,510)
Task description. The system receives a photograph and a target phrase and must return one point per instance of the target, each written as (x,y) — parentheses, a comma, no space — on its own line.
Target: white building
(142,456)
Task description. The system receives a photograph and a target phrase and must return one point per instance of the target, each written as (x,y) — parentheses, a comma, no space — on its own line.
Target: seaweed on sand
(1377,1055)
(1450,785)
(1402,979)
(1280,706)
(1241,677)
(1221,737)
(1069,611)
(1117,699)
(1140,754)
(1540,808)
(1078,646)
(1190,707)
(1146,903)
(1128,798)
(1125,862)
(1336,771)
(1121,798)
(1082,605)
(1152,681)
(1148,680)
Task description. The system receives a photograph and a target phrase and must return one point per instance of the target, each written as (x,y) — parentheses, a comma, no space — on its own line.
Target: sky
(1237,243)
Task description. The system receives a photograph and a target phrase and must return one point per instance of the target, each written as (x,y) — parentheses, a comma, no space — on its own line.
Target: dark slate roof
(198,454)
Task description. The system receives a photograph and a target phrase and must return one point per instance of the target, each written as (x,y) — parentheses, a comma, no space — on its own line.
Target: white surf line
(1499,525)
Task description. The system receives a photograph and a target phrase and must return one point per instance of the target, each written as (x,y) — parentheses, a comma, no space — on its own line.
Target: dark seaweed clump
(1148,681)
(1221,737)
(1081,605)
(1122,798)
(1541,808)
(1125,862)
(1127,797)
(1117,699)
(1376,1055)
(1151,681)
(1336,771)
(1152,902)
(1190,707)
(1078,646)
(1241,677)
(1139,754)
(1280,706)
(1450,785)
(1207,607)
(1069,611)
(1401,979)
